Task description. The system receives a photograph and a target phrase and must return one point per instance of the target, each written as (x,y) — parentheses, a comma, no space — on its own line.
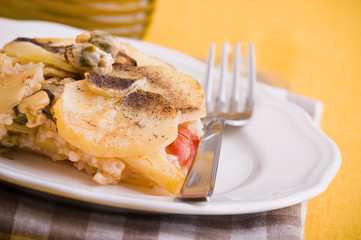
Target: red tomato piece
(184,147)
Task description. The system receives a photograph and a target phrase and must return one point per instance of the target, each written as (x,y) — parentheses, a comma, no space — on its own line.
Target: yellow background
(316,46)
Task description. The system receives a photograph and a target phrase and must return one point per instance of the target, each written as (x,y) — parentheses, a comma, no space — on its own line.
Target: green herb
(4,152)
(11,139)
(20,118)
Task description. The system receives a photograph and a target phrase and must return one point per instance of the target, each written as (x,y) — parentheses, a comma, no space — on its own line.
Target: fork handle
(201,178)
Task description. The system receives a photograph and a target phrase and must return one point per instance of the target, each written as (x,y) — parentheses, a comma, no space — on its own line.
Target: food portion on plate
(115,112)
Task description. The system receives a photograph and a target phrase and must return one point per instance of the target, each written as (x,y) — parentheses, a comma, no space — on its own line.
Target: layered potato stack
(102,104)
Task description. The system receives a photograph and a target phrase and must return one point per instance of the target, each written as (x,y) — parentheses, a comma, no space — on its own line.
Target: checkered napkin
(24,216)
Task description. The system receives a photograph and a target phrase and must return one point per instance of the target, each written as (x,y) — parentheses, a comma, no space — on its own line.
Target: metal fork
(201,178)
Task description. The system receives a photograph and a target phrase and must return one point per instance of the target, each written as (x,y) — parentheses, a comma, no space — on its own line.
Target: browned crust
(107,81)
(152,103)
(181,91)
(159,79)
(128,71)
(176,96)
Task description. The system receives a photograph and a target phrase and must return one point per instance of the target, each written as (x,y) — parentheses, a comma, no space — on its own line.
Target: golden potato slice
(140,123)
(27,50)
(145,60)
(157,168)
(59,42)
(181,90)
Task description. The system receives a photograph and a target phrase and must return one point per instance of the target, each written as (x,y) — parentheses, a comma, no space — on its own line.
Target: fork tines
(219,104)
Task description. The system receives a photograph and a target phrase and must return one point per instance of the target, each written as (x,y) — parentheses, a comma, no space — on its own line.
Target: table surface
(315,46)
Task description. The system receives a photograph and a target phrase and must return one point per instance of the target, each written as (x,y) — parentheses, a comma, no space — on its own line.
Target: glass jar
(128,18)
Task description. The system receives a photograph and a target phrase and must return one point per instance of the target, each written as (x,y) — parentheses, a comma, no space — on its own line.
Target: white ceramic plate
(279,159)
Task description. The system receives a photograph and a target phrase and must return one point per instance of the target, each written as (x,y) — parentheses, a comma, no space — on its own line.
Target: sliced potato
(158,169)
(116,83)
(139,124)
(145,60)
(181,90)
(61,42)
(14,87)
(58,73)
(32,52)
